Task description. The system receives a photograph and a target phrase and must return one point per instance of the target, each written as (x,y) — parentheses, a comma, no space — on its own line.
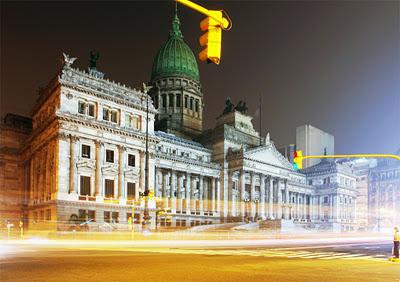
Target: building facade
(384,194)
(83,160)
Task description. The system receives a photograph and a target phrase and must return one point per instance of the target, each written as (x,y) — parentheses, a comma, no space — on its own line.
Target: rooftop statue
(67,60)
(94,56)
(241,107)
(229,106)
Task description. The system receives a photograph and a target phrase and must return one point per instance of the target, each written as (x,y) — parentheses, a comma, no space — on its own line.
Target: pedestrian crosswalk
(279,253)
(289,253)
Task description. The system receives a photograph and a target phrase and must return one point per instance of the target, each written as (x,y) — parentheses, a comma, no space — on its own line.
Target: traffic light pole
(146,216)
(225,23)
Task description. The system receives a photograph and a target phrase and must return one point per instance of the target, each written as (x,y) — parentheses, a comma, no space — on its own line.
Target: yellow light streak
(353,156)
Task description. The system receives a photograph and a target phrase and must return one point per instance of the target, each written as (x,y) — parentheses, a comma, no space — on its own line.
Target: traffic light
(297,160)
(212,38)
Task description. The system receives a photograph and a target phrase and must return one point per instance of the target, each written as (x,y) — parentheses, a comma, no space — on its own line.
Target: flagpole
(260,119)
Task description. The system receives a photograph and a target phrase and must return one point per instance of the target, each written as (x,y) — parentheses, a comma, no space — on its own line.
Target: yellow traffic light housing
(213,24)
(298,160)
(212,38)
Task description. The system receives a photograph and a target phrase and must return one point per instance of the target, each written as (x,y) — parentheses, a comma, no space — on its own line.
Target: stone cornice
(106,127)
(105,89)
(188,161)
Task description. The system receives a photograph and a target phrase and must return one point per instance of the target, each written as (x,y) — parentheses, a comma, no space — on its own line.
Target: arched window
(164,100)
(178,100)
(171,100)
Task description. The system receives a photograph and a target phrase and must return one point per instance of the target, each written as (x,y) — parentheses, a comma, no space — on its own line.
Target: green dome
(175,58)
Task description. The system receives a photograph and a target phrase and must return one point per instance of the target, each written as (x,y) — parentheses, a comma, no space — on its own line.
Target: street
(199,260)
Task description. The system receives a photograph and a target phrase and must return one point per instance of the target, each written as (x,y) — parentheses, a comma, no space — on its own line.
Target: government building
(81,158)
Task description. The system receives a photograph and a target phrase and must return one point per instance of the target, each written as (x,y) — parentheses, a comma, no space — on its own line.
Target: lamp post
(146,216)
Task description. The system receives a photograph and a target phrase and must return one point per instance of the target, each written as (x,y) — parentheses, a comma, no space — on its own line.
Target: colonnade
(188,193)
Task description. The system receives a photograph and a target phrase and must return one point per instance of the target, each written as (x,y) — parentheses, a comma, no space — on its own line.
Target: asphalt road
(198,261)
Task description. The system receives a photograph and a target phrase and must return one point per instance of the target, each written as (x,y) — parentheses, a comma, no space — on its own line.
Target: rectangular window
(171,100)
(164,100)
(115,217)
(85,186)
(186,102)
(136,122)
(191,104)
(109,188)
(128,121)
(109,156)
(131,160)
(325,200)
(86,151)
(309,182)
(178,100)
(81,107)
(107,216)
(91,215)
(197,106)
(131,190)
(91,110)
(48,214)
(114,116)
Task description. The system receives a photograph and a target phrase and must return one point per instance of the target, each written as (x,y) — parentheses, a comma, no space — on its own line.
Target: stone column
(262,196)
(72,164)
(159,180)
(287,201)
(337,207)
(271,198)
(188,190)
(173,191)
(243,192)
(213,195)
(201,196)
(279,206)
(298,216)
(164,189)
(331,207)
(320,212)
(252,194)
(179,193)
(218,195)
(193,190)
(121,150)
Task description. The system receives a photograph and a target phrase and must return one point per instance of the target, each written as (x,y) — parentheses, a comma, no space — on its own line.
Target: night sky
(332,64)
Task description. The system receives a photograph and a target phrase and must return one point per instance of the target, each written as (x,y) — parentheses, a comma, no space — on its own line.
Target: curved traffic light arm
(225,22)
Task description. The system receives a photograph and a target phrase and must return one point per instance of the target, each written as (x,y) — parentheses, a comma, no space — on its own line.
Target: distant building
(13,175)
(384,194)
(361,168)
(313,141)
(335,196)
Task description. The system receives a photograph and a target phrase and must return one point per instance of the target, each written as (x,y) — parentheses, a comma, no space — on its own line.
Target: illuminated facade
(384,194)
(84,158)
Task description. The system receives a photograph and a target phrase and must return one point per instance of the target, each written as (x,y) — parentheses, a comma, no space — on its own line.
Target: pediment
(111,168)
(132,172)
(268,154)
(86,163)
